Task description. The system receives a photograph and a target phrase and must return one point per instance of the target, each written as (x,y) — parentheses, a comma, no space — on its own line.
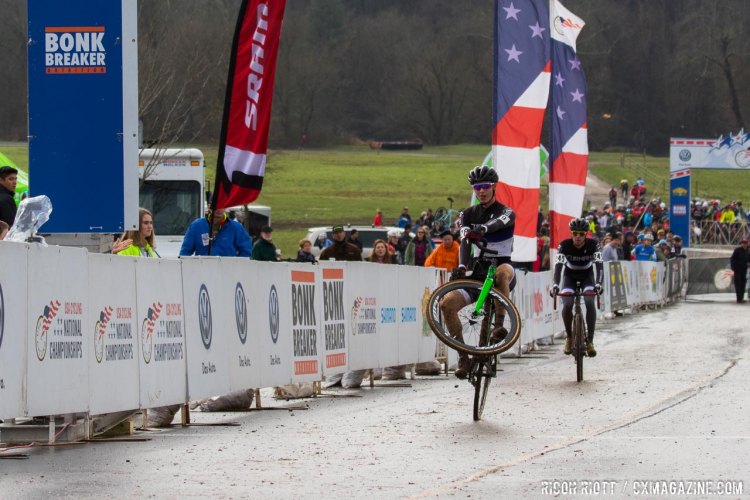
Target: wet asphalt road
(664,405)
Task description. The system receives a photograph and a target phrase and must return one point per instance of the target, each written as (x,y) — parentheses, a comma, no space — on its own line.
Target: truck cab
(171,188)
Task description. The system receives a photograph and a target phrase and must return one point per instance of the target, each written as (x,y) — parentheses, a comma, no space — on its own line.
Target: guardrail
(96,333)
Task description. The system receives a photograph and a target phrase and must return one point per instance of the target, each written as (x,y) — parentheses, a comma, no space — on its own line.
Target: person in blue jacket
(644,251)
(230,238)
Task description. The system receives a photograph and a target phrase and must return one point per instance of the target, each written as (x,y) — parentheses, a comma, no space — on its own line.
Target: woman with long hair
(419,248)
(380,253)
(138,243)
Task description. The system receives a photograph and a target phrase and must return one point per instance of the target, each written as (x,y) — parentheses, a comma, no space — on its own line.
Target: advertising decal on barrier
(334,284)
(409,315)
(535,305)
(305,342)
(387,292)
(361,304)
(207,311)
(270,312)
(630,274)
(244,334)
(428,278)
(113,360)
(58,336)
(13,312)
(161,332)
(615,286)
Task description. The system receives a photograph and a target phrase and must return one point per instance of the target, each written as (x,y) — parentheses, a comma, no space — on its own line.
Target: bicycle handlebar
(590,293)
(582,294)
(482,246)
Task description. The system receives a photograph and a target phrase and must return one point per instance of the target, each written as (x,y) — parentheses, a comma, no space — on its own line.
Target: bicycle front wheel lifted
(473,326)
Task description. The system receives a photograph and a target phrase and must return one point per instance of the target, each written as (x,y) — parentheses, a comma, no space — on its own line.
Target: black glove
(555,290)
(599,289)
(458,273)
(477,232)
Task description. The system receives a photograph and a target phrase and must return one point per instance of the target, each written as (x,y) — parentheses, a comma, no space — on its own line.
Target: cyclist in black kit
(494,222)
(579,256)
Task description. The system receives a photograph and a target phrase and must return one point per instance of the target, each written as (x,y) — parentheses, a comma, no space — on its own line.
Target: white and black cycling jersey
(499,220)
(579,260)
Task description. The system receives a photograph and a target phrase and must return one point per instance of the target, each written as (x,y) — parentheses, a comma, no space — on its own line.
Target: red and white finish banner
(247,108)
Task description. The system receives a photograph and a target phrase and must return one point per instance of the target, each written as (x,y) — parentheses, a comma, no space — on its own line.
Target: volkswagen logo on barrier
(204,316)
(240,312)
(685,155)
(273,313)
(2,315)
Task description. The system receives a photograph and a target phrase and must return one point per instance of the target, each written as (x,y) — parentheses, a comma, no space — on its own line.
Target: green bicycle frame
(488,282)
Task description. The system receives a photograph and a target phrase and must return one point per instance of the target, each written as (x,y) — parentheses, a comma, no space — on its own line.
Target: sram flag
(569,150)
(522,76)
(247,107)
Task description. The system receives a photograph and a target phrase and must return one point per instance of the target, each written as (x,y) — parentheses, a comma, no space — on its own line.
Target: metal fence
(708,232)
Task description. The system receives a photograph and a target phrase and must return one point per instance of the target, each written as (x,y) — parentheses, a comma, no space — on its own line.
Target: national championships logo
(100,331)
(147,330)
(42,328)
(561,24)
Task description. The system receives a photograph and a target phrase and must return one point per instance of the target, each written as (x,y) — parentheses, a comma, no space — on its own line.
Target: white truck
(172,188)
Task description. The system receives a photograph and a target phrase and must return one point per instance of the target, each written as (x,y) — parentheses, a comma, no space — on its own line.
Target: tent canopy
(23,178)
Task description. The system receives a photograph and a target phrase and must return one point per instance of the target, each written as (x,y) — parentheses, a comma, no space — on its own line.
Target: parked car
(367,235)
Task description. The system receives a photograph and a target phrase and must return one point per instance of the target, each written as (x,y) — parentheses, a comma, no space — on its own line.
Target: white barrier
(207,314)
(361,314)
(270,304)
(531,297)
(57,370)
(161,332)
(98,333)
(13,318)
(112,333)
(244,332)
(304,311)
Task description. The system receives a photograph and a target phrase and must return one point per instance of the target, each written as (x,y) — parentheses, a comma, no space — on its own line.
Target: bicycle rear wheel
(481,387)
(579,343)
(471,324)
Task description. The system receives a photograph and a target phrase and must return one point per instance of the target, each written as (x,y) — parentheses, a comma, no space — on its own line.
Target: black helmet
(482,174)
(579,225)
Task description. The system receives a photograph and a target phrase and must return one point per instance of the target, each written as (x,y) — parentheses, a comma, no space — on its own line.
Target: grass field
(346,185)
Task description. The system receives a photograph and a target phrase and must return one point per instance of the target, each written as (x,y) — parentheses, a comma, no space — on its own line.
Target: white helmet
(394,232)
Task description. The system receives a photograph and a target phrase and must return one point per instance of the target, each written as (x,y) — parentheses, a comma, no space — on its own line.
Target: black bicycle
(578,333)
(478,321)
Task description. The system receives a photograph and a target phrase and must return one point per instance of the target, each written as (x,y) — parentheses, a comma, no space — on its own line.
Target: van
(367,235)
(252,217)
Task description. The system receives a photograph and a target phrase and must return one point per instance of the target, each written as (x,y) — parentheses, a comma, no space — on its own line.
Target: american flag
(50,312)
(569,150)
(104,318)
(522,77)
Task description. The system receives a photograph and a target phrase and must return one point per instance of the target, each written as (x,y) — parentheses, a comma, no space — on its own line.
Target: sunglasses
(479,187)
(578,233)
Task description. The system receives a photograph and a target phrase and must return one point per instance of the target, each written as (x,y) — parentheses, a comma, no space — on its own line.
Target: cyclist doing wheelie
(578,256)
(492,221)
